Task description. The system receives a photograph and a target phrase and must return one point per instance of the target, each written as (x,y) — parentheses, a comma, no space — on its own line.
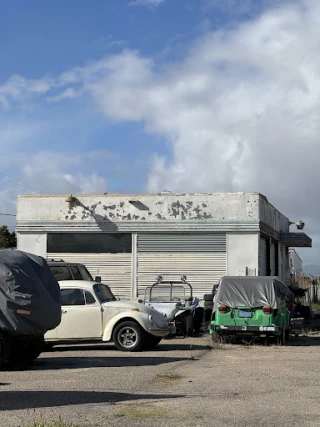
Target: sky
(137,96)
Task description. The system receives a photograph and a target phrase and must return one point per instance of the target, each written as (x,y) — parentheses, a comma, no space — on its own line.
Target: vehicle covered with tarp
(255,306)
(29,305)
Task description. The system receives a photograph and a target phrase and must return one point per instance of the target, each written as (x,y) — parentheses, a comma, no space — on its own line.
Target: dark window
(89,243)
(61,272)
(76,272)
(90,299)
(72,297)
(85,273)
(103,293)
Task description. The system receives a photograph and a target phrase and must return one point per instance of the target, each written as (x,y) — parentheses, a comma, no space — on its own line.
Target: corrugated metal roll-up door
(115,269)
(263,265)
(201,257)
(273,264)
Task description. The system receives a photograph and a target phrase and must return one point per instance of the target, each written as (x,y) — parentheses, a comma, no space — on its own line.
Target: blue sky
(148,95)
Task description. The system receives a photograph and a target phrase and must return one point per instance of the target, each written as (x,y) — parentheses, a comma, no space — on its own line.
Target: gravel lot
(184,382)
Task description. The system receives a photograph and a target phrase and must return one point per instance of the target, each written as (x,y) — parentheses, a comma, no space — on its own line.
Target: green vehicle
(246,306)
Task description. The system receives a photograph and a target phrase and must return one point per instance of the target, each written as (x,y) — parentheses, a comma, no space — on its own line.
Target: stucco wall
(33,243)
(149,208)
(242,252)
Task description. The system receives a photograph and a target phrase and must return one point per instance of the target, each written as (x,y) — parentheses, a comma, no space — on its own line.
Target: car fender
(141,318)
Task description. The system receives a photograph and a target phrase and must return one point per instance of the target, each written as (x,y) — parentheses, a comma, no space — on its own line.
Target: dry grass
(168,377)
(59,423)
(131,411)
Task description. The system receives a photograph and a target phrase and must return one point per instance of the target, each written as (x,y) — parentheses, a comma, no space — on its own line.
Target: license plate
(244,313)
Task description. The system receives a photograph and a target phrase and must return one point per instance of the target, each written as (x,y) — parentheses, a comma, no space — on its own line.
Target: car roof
(85,284)
(61,263)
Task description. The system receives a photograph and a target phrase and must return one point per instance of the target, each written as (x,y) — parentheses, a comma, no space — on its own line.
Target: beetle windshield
(103,293)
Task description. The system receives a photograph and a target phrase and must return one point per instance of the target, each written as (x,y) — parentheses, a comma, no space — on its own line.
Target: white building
(130,239)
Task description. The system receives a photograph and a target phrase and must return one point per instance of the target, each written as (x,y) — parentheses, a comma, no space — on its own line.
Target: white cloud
(150,3)
(241,112)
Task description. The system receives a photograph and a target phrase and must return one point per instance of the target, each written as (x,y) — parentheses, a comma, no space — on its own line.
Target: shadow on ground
(166,345)
(80,362)
(17,400)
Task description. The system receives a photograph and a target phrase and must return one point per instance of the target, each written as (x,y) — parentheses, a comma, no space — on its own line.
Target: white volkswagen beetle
(90,312)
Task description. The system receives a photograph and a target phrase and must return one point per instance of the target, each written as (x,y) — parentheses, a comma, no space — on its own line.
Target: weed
(168,377)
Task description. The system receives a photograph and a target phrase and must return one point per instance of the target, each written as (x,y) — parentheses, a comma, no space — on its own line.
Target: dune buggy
(175,300)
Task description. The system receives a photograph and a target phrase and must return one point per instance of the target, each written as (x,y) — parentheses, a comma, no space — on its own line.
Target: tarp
(29,294)
(251,291)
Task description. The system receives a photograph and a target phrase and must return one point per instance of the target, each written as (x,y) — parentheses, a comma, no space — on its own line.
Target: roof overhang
(296,240)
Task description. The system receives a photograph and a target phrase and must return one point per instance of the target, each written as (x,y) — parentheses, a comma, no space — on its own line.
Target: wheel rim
(127,337)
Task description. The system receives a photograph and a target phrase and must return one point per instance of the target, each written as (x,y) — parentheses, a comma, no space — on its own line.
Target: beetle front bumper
(159,332)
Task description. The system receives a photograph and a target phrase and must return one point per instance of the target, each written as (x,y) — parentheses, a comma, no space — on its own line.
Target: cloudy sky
(149,95)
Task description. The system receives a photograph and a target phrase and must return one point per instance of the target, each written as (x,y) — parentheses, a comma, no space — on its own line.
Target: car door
(81,315)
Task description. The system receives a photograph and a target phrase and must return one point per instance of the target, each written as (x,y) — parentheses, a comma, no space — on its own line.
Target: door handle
(63,311)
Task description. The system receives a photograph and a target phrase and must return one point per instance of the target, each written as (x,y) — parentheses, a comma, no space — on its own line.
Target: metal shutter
(182,242)
(273,263)
(115,269)
(201,257)
(263,257)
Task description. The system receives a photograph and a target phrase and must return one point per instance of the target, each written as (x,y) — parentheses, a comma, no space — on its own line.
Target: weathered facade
(130,239)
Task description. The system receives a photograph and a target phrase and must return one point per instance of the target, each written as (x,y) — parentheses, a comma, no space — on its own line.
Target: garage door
(263,265)
(201,257)
(114,269)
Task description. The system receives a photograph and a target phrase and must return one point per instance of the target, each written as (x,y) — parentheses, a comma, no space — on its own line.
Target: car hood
(135,306)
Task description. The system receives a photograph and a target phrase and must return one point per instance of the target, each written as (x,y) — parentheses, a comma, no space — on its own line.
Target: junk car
(175,300)
(251,306)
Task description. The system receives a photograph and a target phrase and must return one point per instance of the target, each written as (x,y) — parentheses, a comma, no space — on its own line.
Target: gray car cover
(250,291)
(29,294)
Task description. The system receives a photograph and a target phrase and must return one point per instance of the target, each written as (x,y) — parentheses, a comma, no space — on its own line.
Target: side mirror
(97,279)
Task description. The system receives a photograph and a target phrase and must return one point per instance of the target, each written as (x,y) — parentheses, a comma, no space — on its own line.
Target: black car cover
(29,294)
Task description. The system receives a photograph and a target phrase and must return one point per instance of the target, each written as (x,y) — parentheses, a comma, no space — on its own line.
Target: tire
(151,341)
(128,336)
(4,350)
(281,339)
(287,334)
(217,338)
(208,297)
(198,319)
(25,352)
(190,325)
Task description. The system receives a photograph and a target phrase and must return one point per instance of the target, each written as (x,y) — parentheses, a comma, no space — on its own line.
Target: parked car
(90,312)
(63,270)
(29,306)
(175,300)
(251,306)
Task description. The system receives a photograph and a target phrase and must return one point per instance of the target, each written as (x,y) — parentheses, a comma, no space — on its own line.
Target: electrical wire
(27,186)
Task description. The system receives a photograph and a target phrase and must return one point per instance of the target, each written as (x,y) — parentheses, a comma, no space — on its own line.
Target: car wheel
(23,352)
(128,336)
(281,338)
(218,338)
(4,350)
(287,334)
(151,341)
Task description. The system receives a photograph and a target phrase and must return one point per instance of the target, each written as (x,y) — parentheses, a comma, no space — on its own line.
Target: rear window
(61,272)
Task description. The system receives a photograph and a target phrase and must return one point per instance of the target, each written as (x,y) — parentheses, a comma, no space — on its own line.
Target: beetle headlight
(150,318)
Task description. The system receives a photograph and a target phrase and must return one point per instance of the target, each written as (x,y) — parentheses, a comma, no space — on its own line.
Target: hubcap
(127,337)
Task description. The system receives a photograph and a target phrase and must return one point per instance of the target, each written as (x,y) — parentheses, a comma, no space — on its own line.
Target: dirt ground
(185,382)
